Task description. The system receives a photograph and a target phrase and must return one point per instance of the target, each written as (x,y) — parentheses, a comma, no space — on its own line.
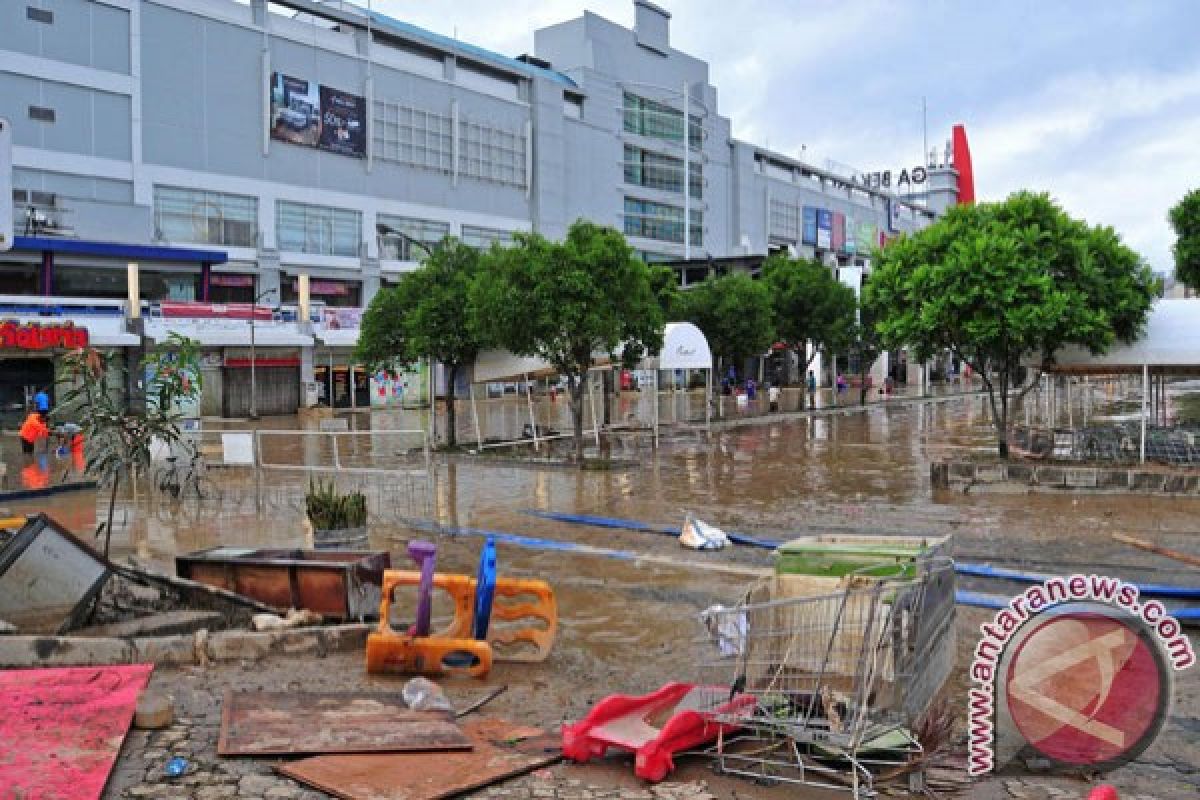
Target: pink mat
(61,729)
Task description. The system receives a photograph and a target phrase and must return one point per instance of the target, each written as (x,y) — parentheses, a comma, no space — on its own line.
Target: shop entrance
(20,380)
(277,390)
(335,385)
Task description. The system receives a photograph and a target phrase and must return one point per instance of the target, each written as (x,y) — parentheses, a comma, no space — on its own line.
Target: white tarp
(501,365)
(1171,339)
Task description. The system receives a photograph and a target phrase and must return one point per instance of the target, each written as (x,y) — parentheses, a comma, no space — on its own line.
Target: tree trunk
(1002,420)
(610,379)
(112,504)
(576,387)
(451,427)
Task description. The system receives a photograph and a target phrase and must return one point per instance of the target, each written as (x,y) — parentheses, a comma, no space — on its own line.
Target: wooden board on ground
(300,723)
(501,750)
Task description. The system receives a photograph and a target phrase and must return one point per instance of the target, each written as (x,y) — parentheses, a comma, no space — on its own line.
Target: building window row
(317,230)
(483,238)
(650,220)
(491,154)
(785,220)
(407,135)
(194,215)
(401,248)
(658,171)
(647,117)
(202,217)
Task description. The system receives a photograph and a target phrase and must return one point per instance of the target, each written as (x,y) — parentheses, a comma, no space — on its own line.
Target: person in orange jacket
(33,429)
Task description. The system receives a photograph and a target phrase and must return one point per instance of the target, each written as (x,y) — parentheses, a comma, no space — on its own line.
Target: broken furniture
(48,577)
(339,584)
(62,728)
(656,726)
(500,750)
(300,723)
(455,650)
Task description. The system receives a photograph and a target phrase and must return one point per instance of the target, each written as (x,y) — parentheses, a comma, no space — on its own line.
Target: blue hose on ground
(961,596)
(635,525)
(961,567)
(996,602)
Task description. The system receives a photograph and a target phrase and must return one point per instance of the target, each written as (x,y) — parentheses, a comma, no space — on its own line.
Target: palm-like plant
(118,440)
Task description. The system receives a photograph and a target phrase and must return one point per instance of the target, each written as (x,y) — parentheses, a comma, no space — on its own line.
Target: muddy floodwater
(628,626)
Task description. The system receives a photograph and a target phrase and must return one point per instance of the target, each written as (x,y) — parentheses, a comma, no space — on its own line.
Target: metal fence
(1120,443)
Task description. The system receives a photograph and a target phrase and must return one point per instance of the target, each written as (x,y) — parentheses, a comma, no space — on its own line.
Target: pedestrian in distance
(812,390)
(773,397)
(841,383)
(41,401)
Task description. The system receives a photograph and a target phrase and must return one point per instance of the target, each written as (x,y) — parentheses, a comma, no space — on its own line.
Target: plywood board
(501,750)
(61,729)
(298,723)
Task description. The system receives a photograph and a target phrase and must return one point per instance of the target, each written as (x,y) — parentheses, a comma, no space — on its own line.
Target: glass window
(482,238)
(785,220)
(426,231)
(407,135)
(225,287)
(318,230)
(333,293)
(110,282)
(650,220)
(23,279)
(192,215)
(659,171)
(658,120)
(491,154)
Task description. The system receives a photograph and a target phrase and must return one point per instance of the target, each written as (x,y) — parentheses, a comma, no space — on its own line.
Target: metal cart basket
(839,670)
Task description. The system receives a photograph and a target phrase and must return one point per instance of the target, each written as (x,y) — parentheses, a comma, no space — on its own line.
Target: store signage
(34,336)
(883,180)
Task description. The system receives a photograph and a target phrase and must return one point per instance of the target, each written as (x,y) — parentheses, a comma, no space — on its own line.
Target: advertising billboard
(839,232)
(809,233)
(865,237)
(310,115)
(824,228)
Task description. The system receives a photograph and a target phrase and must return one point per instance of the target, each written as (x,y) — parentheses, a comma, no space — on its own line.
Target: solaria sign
(1078,670)
(34,336)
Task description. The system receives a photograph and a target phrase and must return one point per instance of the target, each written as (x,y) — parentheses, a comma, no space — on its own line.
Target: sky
(1095,101)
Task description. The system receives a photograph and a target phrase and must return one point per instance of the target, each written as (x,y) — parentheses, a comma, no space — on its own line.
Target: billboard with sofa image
(305,113)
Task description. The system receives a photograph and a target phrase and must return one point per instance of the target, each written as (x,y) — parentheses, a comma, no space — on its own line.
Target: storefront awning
(264,336)
(118,250)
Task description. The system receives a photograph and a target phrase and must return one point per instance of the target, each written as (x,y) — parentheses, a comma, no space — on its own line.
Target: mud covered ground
(628,626)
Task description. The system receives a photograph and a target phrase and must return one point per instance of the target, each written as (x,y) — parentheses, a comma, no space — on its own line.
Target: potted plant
(337,519)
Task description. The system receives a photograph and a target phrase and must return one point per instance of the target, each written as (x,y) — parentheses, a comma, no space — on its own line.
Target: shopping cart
(839,675)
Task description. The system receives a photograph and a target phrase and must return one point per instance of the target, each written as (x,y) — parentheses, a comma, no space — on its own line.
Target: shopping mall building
(196,155)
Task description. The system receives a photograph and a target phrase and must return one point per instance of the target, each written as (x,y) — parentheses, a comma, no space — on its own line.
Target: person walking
(41,401)
(812,390)
(773,397)
(33,429)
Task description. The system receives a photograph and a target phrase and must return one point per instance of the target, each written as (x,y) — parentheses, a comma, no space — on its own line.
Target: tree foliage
(566,302)
(734,312)
(425,315)
(997,283)
(119,440)
(810,305)
(1185,219)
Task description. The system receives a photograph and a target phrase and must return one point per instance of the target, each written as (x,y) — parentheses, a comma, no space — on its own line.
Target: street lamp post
(254,355)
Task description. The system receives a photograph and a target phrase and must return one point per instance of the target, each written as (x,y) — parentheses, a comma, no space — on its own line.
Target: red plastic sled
(624,722)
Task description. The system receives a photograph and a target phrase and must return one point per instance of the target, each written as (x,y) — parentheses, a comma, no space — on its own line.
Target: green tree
(999,283)
(424,315)
(567,302)
(1185,219)
(810,305)
(734,312)
(118,440)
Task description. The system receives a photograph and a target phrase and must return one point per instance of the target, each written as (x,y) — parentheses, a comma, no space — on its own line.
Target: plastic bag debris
(701,536)
(422,694)
(727,630)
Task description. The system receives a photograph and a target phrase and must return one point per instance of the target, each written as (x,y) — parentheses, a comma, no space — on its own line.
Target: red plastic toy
(626,722)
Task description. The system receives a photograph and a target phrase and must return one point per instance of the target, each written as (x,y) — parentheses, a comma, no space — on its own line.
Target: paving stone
(238,646)
(162,624)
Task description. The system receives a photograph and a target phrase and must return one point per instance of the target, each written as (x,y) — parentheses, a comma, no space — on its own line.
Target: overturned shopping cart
(839,675)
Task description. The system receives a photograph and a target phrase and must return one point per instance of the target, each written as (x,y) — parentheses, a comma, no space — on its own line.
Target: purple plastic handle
(425,555)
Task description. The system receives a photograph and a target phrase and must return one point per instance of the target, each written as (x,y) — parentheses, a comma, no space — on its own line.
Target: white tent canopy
(1170,342)
(684,347)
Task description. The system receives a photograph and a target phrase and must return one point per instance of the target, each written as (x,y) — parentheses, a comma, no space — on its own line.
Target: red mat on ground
(61,729)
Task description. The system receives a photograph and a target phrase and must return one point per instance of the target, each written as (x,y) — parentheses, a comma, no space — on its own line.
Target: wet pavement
(629,627)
